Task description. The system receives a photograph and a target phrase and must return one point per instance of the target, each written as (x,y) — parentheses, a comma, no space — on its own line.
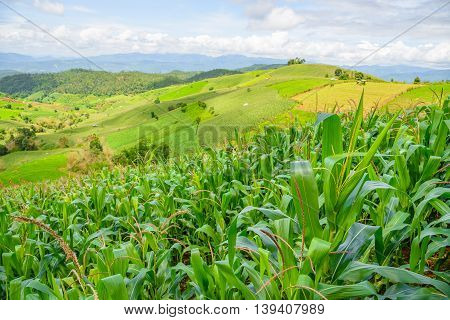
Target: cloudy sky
(327,31)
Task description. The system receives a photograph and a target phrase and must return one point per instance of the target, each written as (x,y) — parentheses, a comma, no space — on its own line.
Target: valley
(183,116)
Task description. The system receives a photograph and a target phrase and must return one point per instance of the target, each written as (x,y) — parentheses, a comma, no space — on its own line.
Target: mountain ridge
(149,63)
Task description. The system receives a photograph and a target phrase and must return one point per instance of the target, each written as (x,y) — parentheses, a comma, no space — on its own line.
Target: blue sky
(328,31)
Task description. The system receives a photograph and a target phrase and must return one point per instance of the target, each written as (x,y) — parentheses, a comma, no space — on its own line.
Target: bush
(178,105)
(344,76)
(3,150)
(95,145)
(359,76)
(24,140)
(202,105)
(296,60)
(142,153)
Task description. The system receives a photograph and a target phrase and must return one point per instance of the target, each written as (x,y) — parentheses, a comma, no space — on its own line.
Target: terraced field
(250,221)
(344,96)
(241,101)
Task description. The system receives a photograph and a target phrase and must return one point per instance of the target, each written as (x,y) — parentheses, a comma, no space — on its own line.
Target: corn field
(350,207)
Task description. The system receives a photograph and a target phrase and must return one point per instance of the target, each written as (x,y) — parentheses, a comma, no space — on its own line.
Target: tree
(416,80)
(344,76)
(95,145)
(157,101)
(25,139)
(201,104)
(296,60)
(338,72)
(359,76)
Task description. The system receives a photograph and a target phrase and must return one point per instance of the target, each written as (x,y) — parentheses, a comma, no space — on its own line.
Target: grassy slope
(241,100)
(33,166)
(344,96)
(420,95)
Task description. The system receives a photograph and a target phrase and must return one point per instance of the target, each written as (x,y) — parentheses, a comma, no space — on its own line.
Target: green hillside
(79,81)
(344,208)
(183,116)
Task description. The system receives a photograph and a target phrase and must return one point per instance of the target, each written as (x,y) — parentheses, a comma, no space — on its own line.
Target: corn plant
(350,207)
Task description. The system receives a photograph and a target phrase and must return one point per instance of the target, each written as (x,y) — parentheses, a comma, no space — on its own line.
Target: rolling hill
(150,63)
(184,116)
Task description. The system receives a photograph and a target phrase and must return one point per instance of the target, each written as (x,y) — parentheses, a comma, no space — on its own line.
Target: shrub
(202,105)
(142,153)
(3,150)
(24,140)
(95,145)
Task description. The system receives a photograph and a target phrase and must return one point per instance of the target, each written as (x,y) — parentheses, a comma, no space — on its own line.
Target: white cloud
(278,18)
(108,39)
(49,6)
(330,32)
(81,9)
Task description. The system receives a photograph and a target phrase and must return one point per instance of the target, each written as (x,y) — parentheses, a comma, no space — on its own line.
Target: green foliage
(416,80)
(212,74)
(177,106)
(3,150)
(95,145)
(202,104)
(143,153)
(359,76)
(79,81)
(363,217)
(24,140)
(296,61)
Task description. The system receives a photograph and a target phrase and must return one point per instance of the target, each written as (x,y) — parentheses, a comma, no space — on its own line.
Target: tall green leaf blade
(358,271)
(306,199)
(112,288)
(357,290)
(357,241)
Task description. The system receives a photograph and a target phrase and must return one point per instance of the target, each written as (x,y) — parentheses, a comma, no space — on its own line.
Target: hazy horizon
(324,31)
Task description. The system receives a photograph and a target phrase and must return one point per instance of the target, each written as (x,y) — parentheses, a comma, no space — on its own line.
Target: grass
(242,101)
(421,95)
(344,96)
(291,88)
(183,91)
(7,114)
(32,166)
(249,221)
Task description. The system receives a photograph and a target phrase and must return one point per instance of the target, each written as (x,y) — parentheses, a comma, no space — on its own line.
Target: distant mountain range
(151,63)
(405,73)
(11,63)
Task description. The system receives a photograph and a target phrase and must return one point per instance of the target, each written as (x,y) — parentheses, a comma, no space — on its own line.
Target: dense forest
(213,74)
(101,83)
(80,81)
